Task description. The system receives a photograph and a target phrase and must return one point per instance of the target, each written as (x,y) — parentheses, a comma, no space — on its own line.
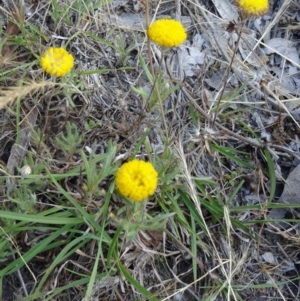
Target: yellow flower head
(136,180)
(252,8)
(57,61)
(167,33)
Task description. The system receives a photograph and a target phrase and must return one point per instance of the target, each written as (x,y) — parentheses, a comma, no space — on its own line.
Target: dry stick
(233,134)
(177,9)
(226,76)
(274,21)
(20,275)
(253,52)
(251,142)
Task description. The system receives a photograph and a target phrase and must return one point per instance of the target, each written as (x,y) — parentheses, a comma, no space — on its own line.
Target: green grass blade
(38,248)
(53,220)
(230,153)
(271,175)
(193,211)
(63,255)
(135,283)
(88,218)
(93,276)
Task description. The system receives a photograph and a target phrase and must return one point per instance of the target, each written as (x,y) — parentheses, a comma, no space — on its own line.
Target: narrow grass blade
(135,283)
(38,248)
(41,219)
(88,218)
(230,153)
(113,248)
(193,211)
(93,276)
(62,256)
(271,175)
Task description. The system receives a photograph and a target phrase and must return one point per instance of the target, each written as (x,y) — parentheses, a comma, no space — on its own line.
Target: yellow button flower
(167,33)
(57,61)
(136,180)
(252,8)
